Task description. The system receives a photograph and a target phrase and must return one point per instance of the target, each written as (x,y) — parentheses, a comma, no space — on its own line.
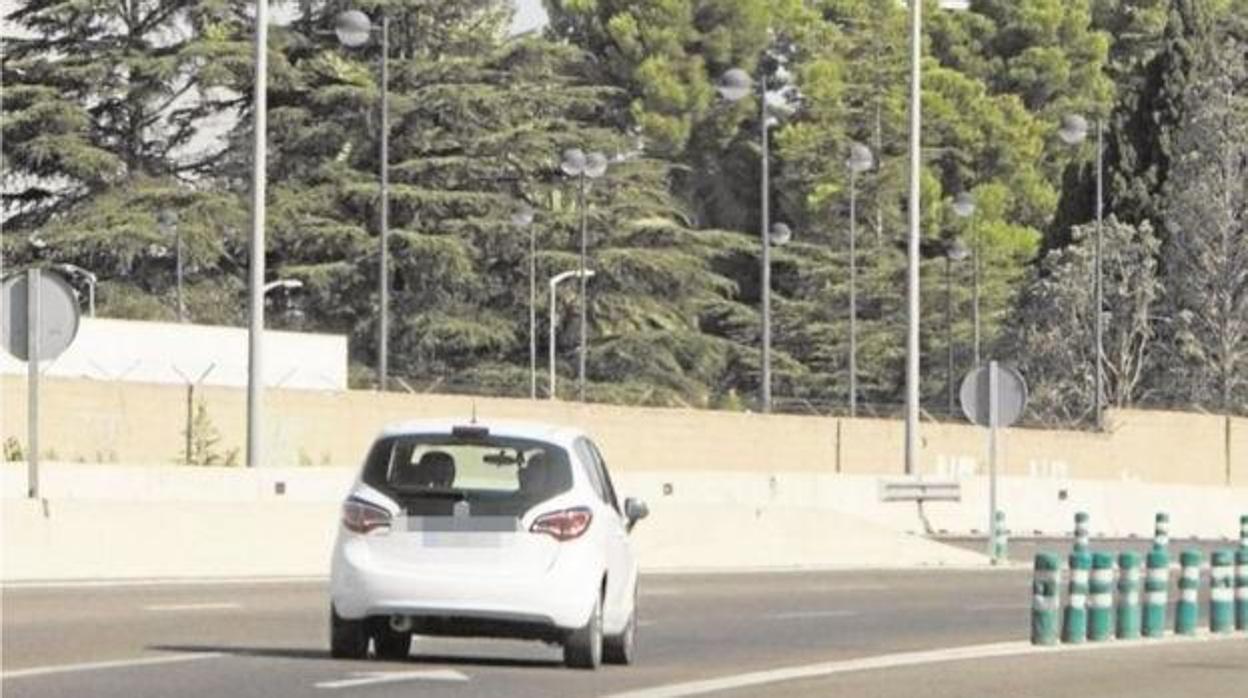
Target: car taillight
(565,524)
(361,517)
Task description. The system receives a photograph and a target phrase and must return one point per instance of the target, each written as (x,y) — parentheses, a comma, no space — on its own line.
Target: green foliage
(205,441)
(1052,333)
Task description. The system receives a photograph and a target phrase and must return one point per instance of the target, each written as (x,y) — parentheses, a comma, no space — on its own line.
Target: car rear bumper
(363,584)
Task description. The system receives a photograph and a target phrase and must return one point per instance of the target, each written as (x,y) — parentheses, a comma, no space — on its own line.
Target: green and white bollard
(1075,622)
(1161,531)
(1046,600)
(1187,610)
(1081,532)
(1128,596)
(1101,598)
(1241,589)
(1243,532)
(1222,591)
(1156,593)
(1001,542)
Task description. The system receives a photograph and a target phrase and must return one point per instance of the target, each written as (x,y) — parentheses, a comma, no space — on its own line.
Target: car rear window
(428,474)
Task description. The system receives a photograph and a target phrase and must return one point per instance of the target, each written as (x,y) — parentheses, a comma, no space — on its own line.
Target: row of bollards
(1104,599)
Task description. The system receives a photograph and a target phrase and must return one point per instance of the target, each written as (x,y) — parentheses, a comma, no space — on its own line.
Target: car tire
(582,649)
(621,649)
(388,645)
(347,638)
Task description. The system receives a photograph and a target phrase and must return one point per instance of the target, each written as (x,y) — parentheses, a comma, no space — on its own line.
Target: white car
(485,530)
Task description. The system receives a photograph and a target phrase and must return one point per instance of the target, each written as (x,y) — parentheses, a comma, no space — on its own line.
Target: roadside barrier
(1045,599)
(1075,622)
(1101,598)
(1001,542)
(1241,589)
(1222,592)
(1161,531)
(1156,593)
(1128,596)
(1081,532)
(1187,610)
(1115,596)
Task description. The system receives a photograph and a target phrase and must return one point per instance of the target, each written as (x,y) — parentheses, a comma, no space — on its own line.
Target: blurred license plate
(464,531)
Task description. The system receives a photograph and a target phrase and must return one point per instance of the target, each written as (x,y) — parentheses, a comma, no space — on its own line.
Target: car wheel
(619,649)
(347,639)
(389,645)
(583,647)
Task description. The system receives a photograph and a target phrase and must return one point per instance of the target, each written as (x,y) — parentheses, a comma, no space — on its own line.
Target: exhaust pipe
(401,624)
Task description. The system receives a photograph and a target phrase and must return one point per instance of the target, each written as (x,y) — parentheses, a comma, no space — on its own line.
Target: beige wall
(144,423)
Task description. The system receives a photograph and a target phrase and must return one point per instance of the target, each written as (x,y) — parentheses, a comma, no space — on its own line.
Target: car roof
(515,429)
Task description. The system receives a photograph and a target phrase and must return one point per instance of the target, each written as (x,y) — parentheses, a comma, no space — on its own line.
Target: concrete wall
(111,521)
(170,352)
(96,421)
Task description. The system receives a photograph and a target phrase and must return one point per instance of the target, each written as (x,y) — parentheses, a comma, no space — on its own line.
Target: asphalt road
(270,640)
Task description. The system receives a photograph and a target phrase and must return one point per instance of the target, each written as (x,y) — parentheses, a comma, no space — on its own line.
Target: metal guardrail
(920,490)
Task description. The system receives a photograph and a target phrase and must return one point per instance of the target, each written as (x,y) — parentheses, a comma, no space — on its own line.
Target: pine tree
(103,105)
(1051,333)
(1206,214)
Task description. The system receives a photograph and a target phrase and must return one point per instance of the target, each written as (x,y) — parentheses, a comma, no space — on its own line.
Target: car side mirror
(635,510)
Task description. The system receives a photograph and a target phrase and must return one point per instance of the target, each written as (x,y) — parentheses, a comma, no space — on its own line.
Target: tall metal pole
(949,328)
(552,385)
(177,243)
(912,272)
(255,289)
(532,313)
(766,240)
(994,420)
(1099,302)
(383,325)
(853,292)
(580,368)
(33,323)
(975,248)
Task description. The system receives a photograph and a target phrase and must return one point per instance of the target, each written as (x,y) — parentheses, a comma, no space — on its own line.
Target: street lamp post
(964,207)
(583,166)
(168,220)
(255,271)
(912,247)
(735,85)
(353,29)
(954,252)
(860,160)
(1074,130)
(87,276)
(554,283)
(524,218)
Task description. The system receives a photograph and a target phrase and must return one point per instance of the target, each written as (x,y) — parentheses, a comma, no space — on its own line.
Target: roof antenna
(474,412)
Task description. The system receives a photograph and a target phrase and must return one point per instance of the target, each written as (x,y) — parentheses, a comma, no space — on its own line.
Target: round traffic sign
(976,396)
(58,315)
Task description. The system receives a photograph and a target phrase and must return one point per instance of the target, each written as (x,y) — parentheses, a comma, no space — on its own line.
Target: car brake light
(361,517)
(565,524)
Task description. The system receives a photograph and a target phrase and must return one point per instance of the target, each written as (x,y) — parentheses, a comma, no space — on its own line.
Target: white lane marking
(799,615)
(375,677)
(893,661)
(192,607)
(646,623)
(95,666)
(123,583)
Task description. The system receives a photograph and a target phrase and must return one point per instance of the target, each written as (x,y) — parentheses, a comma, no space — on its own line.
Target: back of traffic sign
(57,312)
(976,396)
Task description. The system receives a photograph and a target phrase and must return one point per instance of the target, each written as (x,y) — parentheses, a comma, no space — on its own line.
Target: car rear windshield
(428,474)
